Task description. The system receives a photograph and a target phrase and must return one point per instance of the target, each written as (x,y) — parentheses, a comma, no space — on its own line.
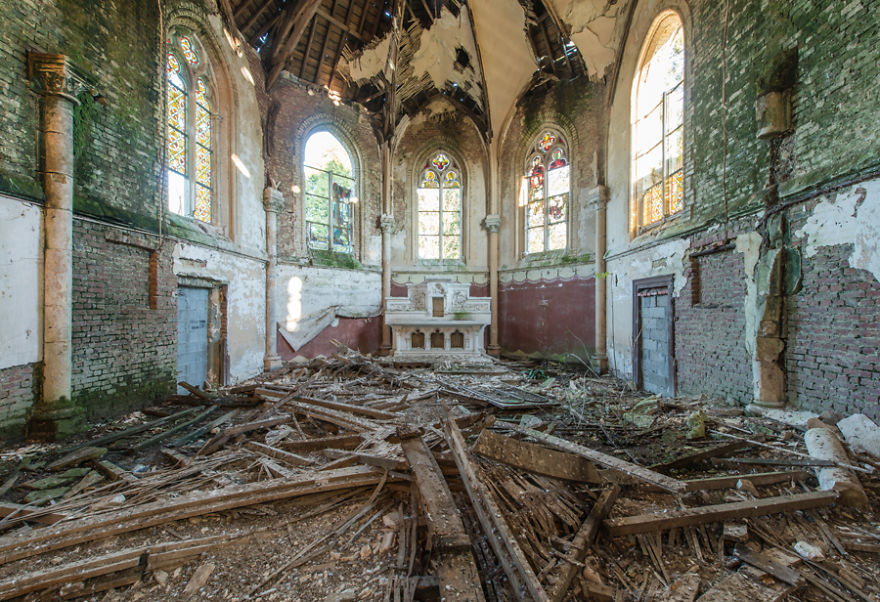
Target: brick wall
(124,340)
(831,353)
(18,385)
(710,349)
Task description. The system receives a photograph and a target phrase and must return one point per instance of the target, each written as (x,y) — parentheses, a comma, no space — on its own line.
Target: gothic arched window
(439,209)
(548,185)
(658,123)
(191,135)
(330,197)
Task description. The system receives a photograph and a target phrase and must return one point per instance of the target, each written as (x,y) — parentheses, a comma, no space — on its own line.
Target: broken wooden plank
(22,511)
(207,428)
(768,565)
(775,461)
(194,391)
(740,587)
(113,472)
(581,543)
(339,418)
(668,519)
(457,572)
(758,479)
(634,470)
(24,545)
(174,429)
(368,459)
(278,454)
(684,590)
(335,442)
(132,430)
(502,540)
(705,454)
(333,405)
(536,458)
(218,440)
(77,457)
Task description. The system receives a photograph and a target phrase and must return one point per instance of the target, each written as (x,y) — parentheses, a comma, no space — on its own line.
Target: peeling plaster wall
(21,259)
(596,28)
(245,278)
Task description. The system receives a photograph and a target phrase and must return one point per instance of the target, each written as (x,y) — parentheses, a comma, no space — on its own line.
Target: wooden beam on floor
(536,458)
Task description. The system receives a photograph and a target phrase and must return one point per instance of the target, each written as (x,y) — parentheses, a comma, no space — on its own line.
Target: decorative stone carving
(386,222)
(273,199)
(492,222)
(54,75)
(464,316)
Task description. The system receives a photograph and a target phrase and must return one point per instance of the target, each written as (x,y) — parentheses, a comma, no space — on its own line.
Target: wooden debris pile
(341,478)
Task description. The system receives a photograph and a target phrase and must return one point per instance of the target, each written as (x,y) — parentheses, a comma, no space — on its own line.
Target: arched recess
(223,109)
(545,199)
(315,124)
(423,158)
(623,216)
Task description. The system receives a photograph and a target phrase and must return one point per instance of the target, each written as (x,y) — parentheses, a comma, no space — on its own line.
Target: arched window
(191,134)
(329,178)
(658,123)
(439,198)
(548,186)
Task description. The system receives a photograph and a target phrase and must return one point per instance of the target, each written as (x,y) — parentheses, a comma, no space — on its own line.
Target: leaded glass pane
(202,209)
(536,214)
(429,247)
(203,127)
(556,208)
(440,161)
(547,141)
(429,200)
(203,165)
(535,242)
(451,247)
(177,150)
(558,181)
(176,108)
(675,191)
(450,180)
(176,192)
(317,182)
(429,180)
(189,51)
(654,204)
(429,222)
(202,94)
(556,236)
(451,224)
(172,67)
(557,159)
(452,200)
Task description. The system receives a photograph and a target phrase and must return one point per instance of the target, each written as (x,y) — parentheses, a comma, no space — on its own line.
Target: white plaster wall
(596,28)
(304,292)
(21,269)
(660,260)
(849,216)
(245,301)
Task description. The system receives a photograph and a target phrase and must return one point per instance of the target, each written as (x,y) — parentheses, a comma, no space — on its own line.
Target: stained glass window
(658,118)
(190,134)
(439,208)
(548,187)
(329,197)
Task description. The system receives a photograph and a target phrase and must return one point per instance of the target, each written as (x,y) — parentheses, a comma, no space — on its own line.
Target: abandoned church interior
(439,300)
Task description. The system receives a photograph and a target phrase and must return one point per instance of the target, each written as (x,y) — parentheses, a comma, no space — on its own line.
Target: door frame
(218,351)
(640,285)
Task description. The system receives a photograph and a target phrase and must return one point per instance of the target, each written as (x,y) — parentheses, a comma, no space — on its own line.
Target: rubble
(344,478)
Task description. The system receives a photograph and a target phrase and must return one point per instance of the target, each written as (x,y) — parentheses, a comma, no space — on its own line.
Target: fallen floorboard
(634,470)
(501,539)
(669,519)
(536,458)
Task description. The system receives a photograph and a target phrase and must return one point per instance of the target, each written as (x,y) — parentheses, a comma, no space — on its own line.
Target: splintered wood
(345,478)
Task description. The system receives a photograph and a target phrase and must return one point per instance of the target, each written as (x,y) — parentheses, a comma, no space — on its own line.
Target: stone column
(493,224)
(53,78)
(599,198)
(387,225)
(273,202)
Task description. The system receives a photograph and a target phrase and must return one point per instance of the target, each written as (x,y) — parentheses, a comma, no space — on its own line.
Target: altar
(439,321)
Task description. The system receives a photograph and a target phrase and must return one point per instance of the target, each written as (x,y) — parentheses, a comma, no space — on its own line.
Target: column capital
(597,197)
(386,222)
(273,200)
(492,222)
(55,75)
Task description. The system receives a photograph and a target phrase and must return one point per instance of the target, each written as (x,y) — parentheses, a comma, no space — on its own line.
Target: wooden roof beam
(294,26)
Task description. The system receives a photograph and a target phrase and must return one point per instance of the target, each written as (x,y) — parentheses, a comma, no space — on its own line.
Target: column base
(271,363)
(56,420)
(493,350)
(602,363)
